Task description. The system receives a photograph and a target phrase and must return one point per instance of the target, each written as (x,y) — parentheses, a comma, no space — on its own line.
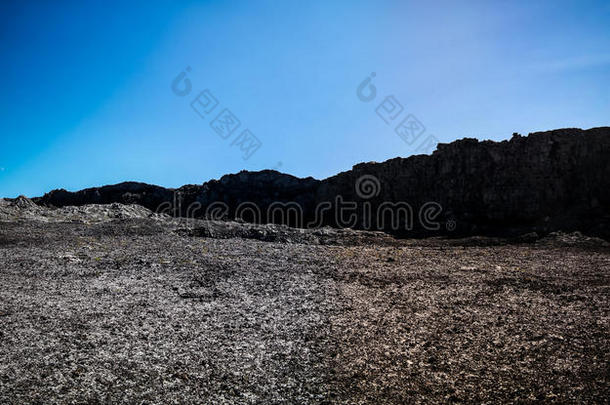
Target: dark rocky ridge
(547,181)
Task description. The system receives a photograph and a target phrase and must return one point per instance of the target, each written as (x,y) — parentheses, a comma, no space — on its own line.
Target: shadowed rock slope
(544,182)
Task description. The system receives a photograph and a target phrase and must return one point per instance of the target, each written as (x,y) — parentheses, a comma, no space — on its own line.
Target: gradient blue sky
(86,96)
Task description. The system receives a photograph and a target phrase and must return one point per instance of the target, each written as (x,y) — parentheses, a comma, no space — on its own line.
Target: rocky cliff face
(543,182)
(547,181)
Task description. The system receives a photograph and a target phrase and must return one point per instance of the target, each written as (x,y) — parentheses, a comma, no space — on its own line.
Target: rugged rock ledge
(548,181)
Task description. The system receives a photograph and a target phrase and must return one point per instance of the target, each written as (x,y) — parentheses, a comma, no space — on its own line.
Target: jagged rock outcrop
(146,195)
(555,180)
(547,181)
(252,192)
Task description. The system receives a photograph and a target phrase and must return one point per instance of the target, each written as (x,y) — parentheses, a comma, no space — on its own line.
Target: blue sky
(87,99)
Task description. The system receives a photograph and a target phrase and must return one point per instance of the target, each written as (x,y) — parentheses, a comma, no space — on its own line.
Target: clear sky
(87,93)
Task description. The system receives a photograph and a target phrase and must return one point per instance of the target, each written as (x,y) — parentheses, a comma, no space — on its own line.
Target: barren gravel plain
(135,309)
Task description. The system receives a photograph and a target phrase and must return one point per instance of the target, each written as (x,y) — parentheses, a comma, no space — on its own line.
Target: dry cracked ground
(126,309)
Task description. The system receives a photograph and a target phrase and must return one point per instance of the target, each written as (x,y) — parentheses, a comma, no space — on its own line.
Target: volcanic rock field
(113,303)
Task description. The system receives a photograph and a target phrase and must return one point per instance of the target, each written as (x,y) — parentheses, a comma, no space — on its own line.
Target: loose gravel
(137,312)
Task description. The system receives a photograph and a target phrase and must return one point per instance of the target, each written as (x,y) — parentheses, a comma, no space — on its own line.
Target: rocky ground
(113,304)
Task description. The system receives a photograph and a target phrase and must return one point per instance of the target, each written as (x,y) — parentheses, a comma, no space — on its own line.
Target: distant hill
(543,182)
